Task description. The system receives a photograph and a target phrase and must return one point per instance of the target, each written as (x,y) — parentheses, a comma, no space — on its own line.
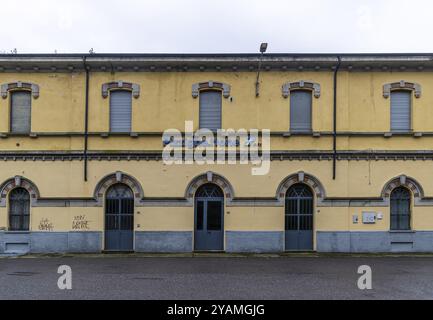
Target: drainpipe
(86,117)
(334,133)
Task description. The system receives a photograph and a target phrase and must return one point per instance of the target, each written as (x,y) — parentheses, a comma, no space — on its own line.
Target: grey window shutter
(400,111)
(21,111)
(120,111)
(210,110)
(300,111)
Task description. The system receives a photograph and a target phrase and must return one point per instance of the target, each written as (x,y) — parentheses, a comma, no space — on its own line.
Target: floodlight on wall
(263,48)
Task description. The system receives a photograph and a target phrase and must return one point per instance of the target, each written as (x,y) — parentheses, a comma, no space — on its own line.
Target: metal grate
(19,212)
(299,208)
(400,209)
(209,190)
(119,208)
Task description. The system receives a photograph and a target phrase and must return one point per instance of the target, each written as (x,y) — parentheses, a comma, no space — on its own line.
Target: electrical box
(355,219)
(369,217)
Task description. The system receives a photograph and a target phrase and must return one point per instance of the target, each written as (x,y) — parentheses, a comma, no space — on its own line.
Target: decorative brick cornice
(18,182)
(211,85)
(19,85)
(401,85)
(210,177)
(121,85)
(118,177)
(301,85)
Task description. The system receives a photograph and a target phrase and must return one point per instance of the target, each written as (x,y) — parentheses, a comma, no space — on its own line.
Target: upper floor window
(300,111)
(120,93)
(301,101)
(20,114)
(401,110)
(210,95)
(120,111)
(210,110)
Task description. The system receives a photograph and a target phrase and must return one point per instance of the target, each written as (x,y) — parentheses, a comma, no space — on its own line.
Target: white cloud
(216,26)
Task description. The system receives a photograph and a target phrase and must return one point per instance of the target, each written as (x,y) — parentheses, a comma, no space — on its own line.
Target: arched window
(120,111)
(210,110)
(300,111)
(19,210)
(20,113)
(400,209)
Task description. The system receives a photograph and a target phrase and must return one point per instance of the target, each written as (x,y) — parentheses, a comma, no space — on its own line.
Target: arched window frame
(401,85)
(211,85)
(121,85)
(314,87)
(19,86)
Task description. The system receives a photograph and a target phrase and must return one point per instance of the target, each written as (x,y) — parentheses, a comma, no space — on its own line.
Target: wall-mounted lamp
(263,48)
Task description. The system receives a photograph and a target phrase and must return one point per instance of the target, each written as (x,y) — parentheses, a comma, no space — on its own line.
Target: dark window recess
(400,209)
(120,111)
(20,112)
(300,111)
(210,110)
(19,210)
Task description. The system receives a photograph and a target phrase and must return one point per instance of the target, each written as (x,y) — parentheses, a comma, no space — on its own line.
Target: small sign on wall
(369,217)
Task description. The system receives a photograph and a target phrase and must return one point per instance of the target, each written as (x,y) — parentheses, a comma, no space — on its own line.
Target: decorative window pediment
(402,85)
(19,85)
(301,85)
(120,85)
(211,85)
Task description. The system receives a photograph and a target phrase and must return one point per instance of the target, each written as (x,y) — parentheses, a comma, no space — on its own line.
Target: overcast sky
(216,26)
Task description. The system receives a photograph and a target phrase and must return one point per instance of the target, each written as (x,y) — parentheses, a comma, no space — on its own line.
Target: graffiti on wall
(45,225)
(80,223)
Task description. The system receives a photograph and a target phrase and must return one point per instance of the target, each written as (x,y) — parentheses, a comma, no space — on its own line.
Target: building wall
(254,218)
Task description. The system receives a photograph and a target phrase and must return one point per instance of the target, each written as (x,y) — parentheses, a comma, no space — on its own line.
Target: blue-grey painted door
(299,218)
(209,219)
(119,219)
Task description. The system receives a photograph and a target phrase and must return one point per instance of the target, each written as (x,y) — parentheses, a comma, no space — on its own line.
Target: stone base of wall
(50,242)
(163,241)
(254,241)
(236,241)
(371,242)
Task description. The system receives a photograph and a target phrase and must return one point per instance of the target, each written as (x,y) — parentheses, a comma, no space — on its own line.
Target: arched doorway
(209,218)
(400,209)
(299,218)
(119,218)
(19,210)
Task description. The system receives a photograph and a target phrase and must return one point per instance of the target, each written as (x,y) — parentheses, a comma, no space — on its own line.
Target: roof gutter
(334,132)
(86,118)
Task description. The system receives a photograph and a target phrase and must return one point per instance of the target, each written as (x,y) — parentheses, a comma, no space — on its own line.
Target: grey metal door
(119,219)
(209,219)
(299,218)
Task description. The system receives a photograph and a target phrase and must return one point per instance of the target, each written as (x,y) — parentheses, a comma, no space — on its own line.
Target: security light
(263,47)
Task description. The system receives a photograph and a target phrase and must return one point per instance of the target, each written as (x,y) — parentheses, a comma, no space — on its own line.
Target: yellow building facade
(351,154)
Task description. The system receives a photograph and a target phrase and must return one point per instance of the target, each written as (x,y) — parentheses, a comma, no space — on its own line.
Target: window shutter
(210,110)
(400,111)
(120,111)
(300,111)
(21,111)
